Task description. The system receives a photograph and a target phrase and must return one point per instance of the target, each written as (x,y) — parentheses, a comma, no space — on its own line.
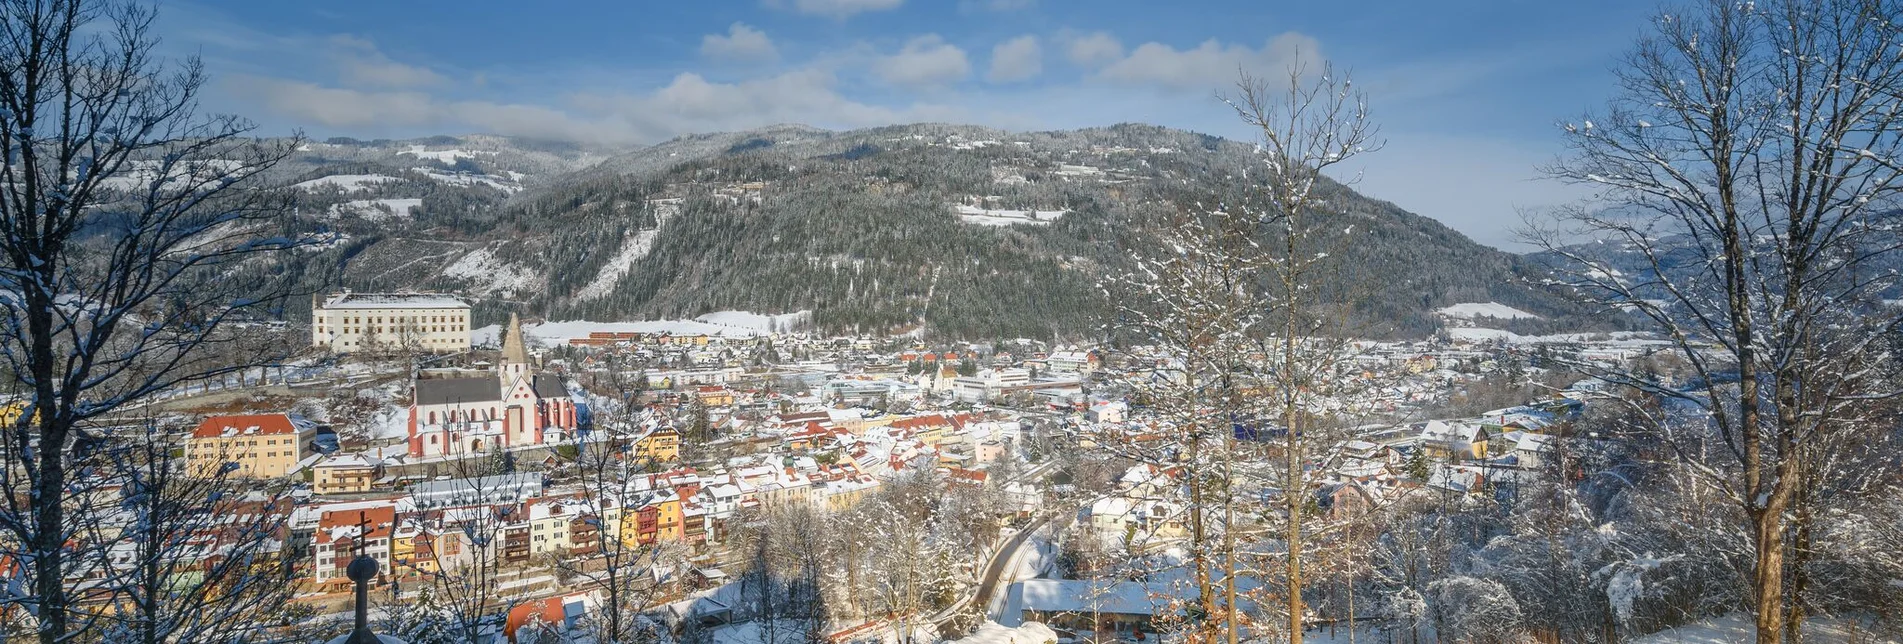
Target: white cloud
(688,104)
(360,64)
(742,43)
(839,9)
(1092,49)
(925,61)
(1212,64)
(1016,59)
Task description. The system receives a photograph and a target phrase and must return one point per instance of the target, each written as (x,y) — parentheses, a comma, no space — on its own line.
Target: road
(1000,560)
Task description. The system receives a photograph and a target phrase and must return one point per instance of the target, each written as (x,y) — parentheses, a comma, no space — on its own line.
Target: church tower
(515,355)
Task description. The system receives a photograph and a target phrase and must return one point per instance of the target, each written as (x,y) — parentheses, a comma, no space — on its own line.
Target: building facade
(353,322)
(254,445)
(515,407)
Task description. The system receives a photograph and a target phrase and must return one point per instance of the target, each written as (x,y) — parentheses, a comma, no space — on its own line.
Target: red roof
(252,424)
(547,611)
(934,420)
(378,520)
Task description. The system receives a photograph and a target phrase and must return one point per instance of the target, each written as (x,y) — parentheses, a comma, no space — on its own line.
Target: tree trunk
(49,512)
(1768,579)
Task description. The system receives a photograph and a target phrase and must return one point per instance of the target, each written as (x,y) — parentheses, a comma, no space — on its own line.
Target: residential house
(250,445)
(344,474)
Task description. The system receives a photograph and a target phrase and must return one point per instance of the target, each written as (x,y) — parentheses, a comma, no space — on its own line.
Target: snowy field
(758,322)
(504,184)
(984,217)
(729,324)
(348,182)
(1471,310)
(445,156)
(1627,339)
(1737,628)
(377,209)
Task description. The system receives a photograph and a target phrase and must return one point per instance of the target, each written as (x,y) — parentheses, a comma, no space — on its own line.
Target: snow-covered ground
(391,422)
(994,633)
(466,179)
(348,182)
(489,274)
(551,334)
(632,250)
(377,209)
(985,217)
(1471,310)
(1737,628)
(488,337)
(1628,339)
(445,156)
(750,632)
(757,321)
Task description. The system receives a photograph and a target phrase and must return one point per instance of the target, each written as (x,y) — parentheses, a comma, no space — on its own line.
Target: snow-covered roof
(1087,596)
(358,301)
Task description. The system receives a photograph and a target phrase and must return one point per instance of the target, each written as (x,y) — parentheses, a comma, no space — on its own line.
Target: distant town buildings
(354,322)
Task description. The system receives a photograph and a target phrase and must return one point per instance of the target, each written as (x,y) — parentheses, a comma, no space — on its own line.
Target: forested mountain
(967,231)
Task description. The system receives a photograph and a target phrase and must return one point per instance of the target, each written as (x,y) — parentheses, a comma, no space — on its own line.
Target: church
(516,407)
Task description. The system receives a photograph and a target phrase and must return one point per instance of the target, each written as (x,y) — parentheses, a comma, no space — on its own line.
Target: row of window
(464,415)
(221,455)
(451,328)
(405,319)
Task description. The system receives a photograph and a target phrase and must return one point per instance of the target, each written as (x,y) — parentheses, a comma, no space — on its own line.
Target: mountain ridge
(966,230)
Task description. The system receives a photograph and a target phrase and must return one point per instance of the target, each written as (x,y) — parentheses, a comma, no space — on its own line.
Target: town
(514,467)
(975,322)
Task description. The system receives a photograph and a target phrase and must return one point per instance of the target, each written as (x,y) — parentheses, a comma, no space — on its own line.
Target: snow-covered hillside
(347,182)
(377,209)
(758,322)
(552,334)
(985,217)
(1471,310)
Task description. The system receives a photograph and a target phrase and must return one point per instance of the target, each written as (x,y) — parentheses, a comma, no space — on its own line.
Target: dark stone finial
(362,569)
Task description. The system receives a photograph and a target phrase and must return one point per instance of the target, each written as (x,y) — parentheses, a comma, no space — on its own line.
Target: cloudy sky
(1467,91)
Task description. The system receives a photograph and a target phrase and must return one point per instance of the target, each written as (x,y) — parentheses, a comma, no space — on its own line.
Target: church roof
(441,391)
(549,386)
(514,351)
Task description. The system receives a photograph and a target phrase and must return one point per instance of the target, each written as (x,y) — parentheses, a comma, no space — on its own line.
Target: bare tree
(191,557)
(1236,347)
(1747,167)
(468,560)
(117,206)
(1306,128)
(617,565)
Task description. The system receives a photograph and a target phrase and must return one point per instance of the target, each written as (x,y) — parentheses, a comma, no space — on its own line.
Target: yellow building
(254,445)
(663,445)
(657,520)
(343,474)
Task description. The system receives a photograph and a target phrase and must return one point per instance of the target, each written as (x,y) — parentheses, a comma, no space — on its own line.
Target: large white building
(351,322)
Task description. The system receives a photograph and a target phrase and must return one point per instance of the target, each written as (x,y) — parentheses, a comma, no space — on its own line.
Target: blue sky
(1466,92)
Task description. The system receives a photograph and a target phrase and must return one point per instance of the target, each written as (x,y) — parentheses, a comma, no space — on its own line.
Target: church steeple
(514,351)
